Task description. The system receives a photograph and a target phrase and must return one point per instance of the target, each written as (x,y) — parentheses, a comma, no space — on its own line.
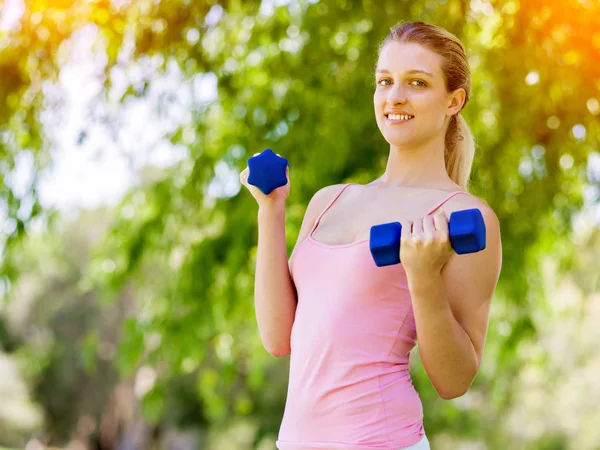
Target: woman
(349,325)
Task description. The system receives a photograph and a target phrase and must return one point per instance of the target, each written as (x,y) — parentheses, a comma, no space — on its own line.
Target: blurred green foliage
(173,266)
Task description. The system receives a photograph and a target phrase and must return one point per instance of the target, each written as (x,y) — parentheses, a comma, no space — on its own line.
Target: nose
(397,94)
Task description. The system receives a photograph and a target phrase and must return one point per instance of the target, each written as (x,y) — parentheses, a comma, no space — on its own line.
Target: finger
(428,226)
(417,228)
(406,231)
(440,222)
(256,154)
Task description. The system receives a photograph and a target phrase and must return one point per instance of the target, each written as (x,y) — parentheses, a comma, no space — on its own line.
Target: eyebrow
(410,71)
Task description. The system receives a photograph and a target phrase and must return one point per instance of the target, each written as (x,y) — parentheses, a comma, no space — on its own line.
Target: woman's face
(399,90)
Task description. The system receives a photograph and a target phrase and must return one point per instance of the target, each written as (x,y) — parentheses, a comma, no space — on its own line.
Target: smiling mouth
(398,118)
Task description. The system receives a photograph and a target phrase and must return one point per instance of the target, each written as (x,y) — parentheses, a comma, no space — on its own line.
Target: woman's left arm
(451,303)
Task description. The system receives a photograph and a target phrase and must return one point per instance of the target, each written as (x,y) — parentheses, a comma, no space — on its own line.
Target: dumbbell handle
(267,171)
(466,230)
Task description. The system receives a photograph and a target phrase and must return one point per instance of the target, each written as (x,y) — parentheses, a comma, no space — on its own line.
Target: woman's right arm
(275,297)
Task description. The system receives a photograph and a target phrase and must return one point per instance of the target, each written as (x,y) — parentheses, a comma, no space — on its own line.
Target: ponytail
(459,151)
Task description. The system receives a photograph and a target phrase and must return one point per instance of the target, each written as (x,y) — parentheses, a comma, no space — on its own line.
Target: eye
(382,80)
(420,81)
(388,81)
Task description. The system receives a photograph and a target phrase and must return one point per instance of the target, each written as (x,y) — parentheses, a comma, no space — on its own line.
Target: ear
(457,100)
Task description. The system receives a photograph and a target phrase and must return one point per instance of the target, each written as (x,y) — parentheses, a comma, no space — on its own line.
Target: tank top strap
(331,202)
(445,200)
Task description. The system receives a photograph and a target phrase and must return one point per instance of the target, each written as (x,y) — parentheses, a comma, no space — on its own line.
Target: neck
(421,166)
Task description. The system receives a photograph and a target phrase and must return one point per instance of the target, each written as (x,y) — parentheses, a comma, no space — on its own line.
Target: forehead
(400,57)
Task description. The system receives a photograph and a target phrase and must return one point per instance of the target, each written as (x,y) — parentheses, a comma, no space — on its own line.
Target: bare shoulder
(460,202)
(320,200)
(328,191)
(317,203)
(323,196)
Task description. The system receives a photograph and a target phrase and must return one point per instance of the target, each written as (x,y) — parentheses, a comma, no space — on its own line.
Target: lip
(398,112)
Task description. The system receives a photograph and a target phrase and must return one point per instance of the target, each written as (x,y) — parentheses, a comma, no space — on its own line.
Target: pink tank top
(349,384)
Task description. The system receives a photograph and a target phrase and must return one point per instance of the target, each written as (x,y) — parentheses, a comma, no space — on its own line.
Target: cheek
(378,101)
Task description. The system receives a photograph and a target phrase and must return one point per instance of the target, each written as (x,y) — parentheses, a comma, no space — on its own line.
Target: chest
(350,218)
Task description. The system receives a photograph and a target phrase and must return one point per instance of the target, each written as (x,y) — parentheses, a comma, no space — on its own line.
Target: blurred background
(128,247)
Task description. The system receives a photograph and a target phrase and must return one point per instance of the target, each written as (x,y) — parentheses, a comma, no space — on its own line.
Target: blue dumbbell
(267,171)
(466,229)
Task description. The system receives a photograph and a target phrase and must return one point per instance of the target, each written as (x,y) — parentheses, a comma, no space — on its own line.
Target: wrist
(421,278)
(428,295)
(271,210)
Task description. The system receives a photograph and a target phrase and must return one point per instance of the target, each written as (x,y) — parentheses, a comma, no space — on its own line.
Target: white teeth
(399,116)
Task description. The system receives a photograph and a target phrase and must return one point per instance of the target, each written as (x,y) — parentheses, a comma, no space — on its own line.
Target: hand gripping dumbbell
(466,230)
(267,171)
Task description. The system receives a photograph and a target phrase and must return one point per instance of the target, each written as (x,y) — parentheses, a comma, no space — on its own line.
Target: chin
(399,141)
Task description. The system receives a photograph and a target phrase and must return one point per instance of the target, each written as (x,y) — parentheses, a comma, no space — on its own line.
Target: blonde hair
(459,142)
